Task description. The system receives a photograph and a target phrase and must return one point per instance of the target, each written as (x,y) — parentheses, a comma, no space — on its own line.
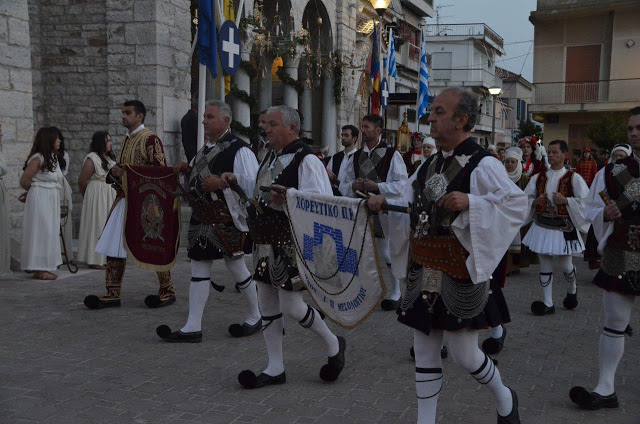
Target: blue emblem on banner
(347,258)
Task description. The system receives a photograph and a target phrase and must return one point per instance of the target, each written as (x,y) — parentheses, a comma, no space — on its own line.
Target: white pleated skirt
(551,242)
(111,241)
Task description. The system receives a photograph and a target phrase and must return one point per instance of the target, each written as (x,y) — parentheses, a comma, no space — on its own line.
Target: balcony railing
(476,30)
(620,90)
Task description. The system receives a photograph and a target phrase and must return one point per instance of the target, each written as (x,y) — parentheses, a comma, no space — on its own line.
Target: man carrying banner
(290,163)
(612,209)
(218,223)
(378,168)
(459,196)
(141,147)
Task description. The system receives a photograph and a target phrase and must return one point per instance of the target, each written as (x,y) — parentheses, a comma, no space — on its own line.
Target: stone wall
(16,105)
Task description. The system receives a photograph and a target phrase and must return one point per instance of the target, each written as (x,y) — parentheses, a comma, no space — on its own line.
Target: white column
(241,110)
(266,88)
(291,63)
(329,114)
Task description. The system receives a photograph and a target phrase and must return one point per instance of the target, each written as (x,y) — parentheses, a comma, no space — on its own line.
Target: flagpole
(202,92)
(221,71)
(418,91)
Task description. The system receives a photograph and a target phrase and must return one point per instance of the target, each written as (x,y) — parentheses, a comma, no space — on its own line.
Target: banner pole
(202,92)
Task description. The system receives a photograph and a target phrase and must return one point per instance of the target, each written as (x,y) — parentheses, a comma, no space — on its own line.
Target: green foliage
(286,79)
(529,128)
(238,128)
(337,81)
(611,130)
(244,96)
(249,69)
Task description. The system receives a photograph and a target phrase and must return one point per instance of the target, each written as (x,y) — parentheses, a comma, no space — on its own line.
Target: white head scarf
(515,153)
(429,142)
(621,147)
(493,148)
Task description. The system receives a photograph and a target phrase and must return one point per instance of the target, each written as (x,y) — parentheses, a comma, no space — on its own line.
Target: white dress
(66,200)
(98,199)
(5,253)
(41,224)
(552,242)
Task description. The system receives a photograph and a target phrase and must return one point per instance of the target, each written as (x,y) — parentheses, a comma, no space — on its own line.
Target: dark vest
(625,229)
(337,161)
(383,166)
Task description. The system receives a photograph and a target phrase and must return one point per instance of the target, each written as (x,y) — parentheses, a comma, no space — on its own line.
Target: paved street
(61,363)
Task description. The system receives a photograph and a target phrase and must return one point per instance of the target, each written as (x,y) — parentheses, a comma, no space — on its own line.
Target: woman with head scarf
(513,165)
(531,156)
(428,147)
(591,255)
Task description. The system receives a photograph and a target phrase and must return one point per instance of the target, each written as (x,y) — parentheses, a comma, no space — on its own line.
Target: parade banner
(336,255)
(152,218)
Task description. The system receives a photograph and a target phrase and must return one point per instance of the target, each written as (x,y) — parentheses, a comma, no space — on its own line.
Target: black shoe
(332,369)
(539,308)
(493,346)
(153,301)
(389,305)
(94,302)
(570,301)
(244,330)
(513,417)
(591,400)
(166,334)
(248,379)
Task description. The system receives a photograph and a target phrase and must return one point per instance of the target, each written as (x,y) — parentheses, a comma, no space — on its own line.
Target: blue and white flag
(392,70)
(336,255)
(207,36)
(423,88)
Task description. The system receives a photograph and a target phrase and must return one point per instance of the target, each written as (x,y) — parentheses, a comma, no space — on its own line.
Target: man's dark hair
(564,147)
(353,129)
(635,110)
(138,106)
(375,119)
(501,149)
(467,105)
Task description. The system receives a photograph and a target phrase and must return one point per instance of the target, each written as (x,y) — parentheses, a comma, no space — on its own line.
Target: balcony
(597,95)
(467,30)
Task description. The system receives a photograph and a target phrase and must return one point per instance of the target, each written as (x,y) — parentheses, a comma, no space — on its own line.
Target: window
(582,73)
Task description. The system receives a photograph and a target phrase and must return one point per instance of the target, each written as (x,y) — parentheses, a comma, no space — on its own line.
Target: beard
(262,133)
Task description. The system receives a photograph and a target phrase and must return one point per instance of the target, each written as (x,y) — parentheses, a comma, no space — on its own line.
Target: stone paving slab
(61,363)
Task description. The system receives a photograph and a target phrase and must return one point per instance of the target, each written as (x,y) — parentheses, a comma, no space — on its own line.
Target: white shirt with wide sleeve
(497,209)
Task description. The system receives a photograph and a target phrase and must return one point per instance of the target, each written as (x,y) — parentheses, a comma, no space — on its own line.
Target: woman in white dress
(41,226)
(66,199)
(5,253)
(98,198)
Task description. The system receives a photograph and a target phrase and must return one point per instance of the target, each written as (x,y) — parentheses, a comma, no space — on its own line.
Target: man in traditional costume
(338,162)
(290,163)
(378,169)
(218,227)
(612,209)
(587,166)
(459,196)
(556,201)
(259,145)
(140,147)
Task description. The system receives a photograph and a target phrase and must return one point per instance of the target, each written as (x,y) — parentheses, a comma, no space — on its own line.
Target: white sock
(238,269)
(428,373)
(394,292)
(294,307)
(489,375)
(272,329)
(383,249)
(546,282)
(571,280)
(496,332)
(463,348)
(198,295)
(611,351)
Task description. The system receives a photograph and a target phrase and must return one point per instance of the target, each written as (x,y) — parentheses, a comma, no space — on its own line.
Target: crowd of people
(452,264)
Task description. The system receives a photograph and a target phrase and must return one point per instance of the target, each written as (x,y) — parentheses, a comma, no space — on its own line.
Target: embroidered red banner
(152,227)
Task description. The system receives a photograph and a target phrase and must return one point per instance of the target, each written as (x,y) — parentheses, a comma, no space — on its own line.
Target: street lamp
(381,6)
(495,92)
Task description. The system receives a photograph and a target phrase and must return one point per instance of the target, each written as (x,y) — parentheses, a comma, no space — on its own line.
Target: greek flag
(392,70)
(207,36)
(423,89)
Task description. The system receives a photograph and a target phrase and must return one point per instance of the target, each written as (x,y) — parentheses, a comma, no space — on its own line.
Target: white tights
(274,301)
(617,313)
(383,249)
(565,262)
(463,347)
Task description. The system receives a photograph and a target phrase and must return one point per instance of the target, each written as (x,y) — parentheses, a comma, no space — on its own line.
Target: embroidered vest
(134,149)
(565,187)
(622,181)
(380,158)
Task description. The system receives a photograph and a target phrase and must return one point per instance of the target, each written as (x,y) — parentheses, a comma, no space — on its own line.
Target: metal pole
(493,123)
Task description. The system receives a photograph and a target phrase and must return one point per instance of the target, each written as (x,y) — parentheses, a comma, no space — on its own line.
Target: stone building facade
(72,63)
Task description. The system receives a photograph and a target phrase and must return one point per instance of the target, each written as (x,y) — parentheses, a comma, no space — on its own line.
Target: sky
(509,18)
